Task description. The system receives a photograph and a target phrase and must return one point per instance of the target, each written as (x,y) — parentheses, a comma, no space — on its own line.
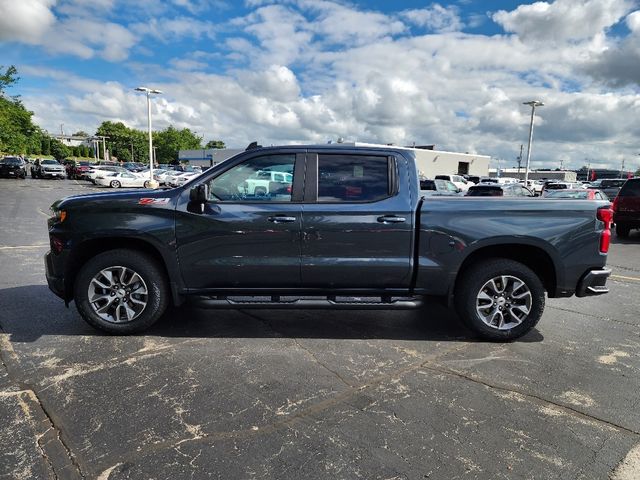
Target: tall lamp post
(149,92)
(533,104)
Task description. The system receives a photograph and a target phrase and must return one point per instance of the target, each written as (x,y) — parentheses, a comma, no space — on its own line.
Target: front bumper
(593,283)
(55,279)
(54,174)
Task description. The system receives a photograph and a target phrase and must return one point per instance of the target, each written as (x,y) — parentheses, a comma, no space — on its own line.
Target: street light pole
(533,104)
(150,91)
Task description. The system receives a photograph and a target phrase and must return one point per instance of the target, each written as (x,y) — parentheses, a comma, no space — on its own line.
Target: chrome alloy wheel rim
(504,302)
(118,294)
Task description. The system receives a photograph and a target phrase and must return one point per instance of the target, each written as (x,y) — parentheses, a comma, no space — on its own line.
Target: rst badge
(153,201)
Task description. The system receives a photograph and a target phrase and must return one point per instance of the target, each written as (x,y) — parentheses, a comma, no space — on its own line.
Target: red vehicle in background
(79,170)
(626,208)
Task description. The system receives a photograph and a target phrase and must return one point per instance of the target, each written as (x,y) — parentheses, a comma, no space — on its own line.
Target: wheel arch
(534,257)
(92,247)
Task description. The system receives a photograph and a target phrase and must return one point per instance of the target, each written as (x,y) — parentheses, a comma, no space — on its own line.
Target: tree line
(19,135)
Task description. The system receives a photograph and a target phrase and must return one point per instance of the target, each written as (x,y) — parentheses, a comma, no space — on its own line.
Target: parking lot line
(20,247)
(622,277)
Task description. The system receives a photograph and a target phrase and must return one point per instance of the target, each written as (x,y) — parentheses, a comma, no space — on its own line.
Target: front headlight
(59,215)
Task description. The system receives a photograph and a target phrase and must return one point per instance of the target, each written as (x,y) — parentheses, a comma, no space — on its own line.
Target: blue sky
(450,73)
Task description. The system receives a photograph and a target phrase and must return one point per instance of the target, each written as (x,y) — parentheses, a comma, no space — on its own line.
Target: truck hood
(105,200)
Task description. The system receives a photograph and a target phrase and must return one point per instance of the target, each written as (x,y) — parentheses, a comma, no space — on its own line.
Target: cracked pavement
(309,394)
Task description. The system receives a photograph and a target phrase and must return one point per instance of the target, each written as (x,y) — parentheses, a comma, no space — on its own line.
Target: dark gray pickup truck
(326,226)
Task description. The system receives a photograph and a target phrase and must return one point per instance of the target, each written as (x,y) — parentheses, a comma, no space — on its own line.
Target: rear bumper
(593,283)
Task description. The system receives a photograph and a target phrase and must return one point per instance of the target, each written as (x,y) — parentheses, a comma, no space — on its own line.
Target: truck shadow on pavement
(30,312)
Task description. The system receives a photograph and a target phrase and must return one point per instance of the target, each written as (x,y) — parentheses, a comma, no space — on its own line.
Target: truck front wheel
(500,299)
(121,291)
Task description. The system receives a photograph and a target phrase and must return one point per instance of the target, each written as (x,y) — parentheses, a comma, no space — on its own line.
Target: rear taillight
(605,215)
(614,206)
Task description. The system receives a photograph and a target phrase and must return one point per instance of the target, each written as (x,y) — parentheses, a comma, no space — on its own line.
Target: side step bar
(325,302)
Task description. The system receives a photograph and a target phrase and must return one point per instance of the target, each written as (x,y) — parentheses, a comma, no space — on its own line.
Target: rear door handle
(281,219)
(391,219)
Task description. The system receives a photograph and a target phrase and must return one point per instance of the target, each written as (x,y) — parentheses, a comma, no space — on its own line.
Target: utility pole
(132,151)
(533,104)
(519,161)
(561,164)
(621,169)
(104,146)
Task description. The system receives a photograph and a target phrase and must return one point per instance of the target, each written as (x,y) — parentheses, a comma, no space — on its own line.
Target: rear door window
(352,178)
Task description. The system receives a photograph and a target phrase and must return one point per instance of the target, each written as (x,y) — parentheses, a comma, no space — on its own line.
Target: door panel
(359,236)
(243,238)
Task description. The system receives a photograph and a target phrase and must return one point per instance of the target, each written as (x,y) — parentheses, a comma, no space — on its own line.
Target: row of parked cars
(110,174)
(624,192)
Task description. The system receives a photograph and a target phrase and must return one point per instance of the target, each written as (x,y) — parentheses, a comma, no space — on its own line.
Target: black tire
(147,184)
(115,184)
(146,268)
(468,292)
(622,230)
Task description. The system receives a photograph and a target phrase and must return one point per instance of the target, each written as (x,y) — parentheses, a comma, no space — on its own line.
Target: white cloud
(633,21)
(187,64)
(25,20)
(300,74)
(563,19)
(436,18)
(166,29)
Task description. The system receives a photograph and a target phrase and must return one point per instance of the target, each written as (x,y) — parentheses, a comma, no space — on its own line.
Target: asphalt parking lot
(309,394)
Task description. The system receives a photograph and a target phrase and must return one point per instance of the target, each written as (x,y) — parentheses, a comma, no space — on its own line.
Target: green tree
(8,78)
(171,140)
(46,145)
(59,150)
(80,133)
(215,144)
(16,127)
(121,139)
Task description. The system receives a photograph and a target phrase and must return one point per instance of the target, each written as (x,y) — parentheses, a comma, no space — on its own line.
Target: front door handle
(281,219)
(391,219)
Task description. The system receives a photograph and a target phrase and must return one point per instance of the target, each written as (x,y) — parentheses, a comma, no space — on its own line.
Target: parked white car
(103,171)
(171,179)
(458,180)
(123,179)
(182,179)
(534,185)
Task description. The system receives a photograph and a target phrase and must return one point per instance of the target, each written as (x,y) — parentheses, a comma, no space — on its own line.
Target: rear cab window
(353,178)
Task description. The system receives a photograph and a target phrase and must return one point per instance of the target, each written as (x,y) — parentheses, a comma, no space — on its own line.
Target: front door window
(268,178)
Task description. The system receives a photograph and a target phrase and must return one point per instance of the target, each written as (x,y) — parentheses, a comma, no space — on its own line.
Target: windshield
(11,161)
(49,162)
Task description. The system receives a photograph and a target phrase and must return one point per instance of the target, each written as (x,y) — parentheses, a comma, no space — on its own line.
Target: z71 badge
(154,201)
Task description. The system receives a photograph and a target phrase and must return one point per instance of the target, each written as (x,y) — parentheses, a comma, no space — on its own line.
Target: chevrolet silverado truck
(352,232)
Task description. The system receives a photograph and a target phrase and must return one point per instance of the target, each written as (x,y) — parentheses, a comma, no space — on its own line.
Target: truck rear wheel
(500,299)
(121,291)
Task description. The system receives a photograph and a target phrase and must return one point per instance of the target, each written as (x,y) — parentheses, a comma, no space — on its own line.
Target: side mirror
(199,194)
